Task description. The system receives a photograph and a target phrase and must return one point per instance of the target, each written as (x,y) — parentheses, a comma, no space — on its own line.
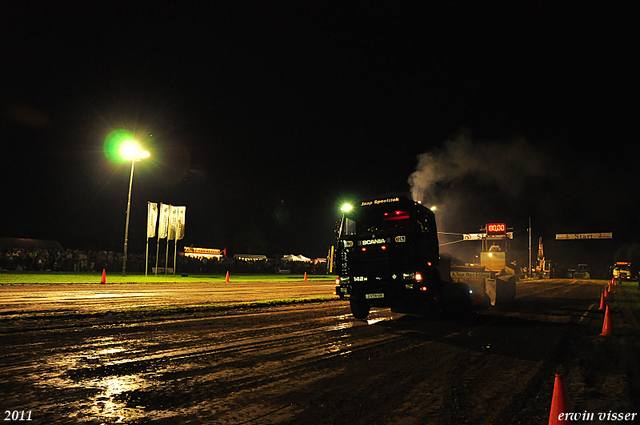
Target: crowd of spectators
(69,260)
(266,266)
(39,259)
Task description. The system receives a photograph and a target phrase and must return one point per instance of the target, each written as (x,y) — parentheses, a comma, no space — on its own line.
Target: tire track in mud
(287,364)
(222,351)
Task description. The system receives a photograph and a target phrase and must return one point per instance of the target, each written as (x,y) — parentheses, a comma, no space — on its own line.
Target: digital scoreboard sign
(496,229)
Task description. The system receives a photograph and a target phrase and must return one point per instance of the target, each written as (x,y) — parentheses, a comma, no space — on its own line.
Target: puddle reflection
(107,395)
(109,403)
(377,320)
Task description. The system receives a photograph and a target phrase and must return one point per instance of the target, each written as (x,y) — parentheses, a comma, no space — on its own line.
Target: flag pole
(170,229)
(146,259)
(175,253)
(146,252)
(157,252)
(166,258)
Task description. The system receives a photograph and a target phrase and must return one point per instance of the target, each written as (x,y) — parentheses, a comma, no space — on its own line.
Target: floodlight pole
(126,227)
(530,274)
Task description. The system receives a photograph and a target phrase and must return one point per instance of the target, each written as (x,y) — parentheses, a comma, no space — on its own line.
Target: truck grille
(370,263)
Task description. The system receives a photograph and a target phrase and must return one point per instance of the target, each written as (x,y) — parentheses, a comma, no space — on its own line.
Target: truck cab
(622,270)
(388,256)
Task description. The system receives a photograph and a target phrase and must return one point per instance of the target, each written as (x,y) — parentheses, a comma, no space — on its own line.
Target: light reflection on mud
(106,394)
(377,319)
(108,404)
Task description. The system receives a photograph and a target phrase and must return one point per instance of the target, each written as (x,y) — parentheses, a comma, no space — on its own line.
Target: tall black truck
(388,256)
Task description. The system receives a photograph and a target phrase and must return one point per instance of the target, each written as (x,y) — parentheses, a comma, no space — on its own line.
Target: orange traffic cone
(104,276)
(607,326)
(305,276)
(602,303)
(227,278)
(559,403)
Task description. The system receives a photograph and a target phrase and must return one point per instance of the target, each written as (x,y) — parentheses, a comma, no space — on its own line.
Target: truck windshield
(377,220)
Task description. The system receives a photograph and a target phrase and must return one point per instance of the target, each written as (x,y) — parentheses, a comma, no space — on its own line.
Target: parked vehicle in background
(622,270)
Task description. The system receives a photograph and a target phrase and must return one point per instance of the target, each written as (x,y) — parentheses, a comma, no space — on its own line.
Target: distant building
(31,244)
(250,257)
(208,253)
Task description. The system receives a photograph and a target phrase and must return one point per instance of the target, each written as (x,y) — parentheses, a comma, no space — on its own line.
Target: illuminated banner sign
(180,221)
(480,236)
(152,219)
(379,201)
(568,236)
(163,221)
(496,229)
(485,275)
(190,251)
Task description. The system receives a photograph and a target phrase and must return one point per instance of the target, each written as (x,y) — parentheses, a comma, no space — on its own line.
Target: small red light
(364,248)
(423,288)
(383,247)
(338,280)
(429,263)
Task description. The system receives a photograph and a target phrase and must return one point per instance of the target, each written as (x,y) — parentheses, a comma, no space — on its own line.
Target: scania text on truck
(388,256)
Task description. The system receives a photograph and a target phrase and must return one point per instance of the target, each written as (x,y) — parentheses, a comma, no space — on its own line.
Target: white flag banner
(163,225)
(152,219)
(173,219)
(182,212)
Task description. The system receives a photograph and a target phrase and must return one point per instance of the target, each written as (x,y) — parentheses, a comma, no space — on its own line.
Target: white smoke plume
(506,166)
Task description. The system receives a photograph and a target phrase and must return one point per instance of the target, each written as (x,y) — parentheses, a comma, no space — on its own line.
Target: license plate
(373,296)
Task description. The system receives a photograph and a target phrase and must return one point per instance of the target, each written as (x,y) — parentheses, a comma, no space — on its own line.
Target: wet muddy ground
(312,363)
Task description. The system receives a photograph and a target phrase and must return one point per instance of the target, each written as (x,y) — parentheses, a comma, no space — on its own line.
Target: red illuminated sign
(496,229)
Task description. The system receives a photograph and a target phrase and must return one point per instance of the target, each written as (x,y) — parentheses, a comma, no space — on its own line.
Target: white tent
(292,257)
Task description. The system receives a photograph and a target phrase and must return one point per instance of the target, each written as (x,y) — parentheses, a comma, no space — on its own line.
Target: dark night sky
(262,117)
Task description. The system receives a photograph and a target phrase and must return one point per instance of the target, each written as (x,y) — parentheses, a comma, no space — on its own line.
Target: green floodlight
(346,208)
(120,145)
(114,142)
(129,150)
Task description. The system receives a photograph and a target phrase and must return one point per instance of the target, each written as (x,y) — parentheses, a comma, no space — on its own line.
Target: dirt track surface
(312,363)
(92,298)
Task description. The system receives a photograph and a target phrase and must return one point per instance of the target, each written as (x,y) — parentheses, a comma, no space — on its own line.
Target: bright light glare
(433,208)
(346,208)
(129,150)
